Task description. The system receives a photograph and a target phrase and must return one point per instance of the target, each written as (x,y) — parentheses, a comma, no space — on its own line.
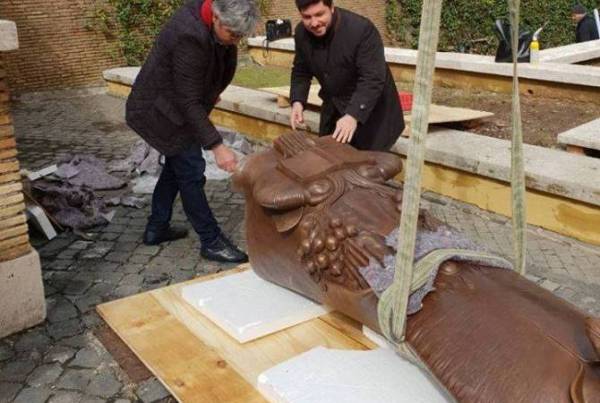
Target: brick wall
(56,50)
(14,239)
(372,9)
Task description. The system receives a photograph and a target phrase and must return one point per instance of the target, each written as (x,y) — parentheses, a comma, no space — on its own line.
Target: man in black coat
(345,53)
(193,60)
(587,29)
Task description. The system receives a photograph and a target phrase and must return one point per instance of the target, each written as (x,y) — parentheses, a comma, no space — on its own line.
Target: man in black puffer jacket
(193,60)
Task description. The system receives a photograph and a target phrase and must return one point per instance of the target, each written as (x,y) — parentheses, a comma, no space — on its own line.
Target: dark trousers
(184,173)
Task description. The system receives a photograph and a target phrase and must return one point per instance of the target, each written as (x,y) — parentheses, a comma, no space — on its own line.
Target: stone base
(21,294)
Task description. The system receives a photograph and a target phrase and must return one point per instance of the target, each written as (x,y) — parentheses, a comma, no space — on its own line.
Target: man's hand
(225,158)
(344,129)
(297,117)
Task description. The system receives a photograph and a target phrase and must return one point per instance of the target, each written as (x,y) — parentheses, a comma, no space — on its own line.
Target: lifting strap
(393,304)
(517,172)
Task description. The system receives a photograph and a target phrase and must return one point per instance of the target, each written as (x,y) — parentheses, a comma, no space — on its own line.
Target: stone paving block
(68,328)
(61,309)
(104,385)
(151,391)
(8,391)
(44,375)
(17,371)
(75,379)
(33,395)
(67,397)
(59,354)
(33,339)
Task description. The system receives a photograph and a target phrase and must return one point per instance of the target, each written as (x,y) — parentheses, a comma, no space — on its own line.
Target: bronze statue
(320,220)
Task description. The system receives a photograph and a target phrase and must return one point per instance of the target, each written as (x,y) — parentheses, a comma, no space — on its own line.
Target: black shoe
(223,250)
(170,234)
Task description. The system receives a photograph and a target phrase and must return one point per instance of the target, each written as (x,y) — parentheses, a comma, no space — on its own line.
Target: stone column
(22,302)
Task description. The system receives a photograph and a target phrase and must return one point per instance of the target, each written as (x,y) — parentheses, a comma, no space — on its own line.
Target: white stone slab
(248,307)
(121,75)
(9,39)
(586,136)
(552,171)
(573,53)
(335,376)
(553,72)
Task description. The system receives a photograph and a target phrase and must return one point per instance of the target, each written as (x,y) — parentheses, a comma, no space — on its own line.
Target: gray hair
(240,16)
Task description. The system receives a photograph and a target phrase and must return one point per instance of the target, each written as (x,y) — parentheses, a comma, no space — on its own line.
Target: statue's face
(317,18)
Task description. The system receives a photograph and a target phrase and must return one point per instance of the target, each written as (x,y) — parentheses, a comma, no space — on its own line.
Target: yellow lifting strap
(393,304)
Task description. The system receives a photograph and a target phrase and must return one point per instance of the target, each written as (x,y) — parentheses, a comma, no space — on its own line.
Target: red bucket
(406,100)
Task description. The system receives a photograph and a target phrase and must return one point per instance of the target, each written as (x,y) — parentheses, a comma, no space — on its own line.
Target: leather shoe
(170,234)
(223,250)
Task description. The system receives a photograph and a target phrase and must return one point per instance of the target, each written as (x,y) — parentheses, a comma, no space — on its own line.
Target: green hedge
(135,23)
(469,25)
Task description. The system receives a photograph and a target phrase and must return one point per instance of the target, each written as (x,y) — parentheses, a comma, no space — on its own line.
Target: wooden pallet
(438,114)
(197,361)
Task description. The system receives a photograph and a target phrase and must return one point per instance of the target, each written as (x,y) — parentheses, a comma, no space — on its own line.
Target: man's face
(317,18)
(577,17)
(224,34)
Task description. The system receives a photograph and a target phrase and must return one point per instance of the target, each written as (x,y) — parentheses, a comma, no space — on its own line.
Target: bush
(135,23)
(469,25)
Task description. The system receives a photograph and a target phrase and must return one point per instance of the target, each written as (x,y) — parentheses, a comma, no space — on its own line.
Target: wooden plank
(188,368)
(438,113)
(13,242)
(15,252)
(14,232)
(140,329)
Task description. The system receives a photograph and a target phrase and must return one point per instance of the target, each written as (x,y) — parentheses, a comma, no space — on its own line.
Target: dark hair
(302,4)
(578,9)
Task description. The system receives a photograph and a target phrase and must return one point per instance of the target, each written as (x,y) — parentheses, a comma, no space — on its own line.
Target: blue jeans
(184,173)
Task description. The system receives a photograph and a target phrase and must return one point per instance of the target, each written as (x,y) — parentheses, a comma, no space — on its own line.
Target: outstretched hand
(344,129)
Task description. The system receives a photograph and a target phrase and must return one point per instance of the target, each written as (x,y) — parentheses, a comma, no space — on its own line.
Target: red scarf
(206,13)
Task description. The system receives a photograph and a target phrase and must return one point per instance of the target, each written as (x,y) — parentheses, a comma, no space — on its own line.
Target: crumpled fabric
(88,171)
(380,278)
(71,206)
(142,159)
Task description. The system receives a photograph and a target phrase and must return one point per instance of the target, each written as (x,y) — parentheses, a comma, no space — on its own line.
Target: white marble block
(344,376)
(248,307)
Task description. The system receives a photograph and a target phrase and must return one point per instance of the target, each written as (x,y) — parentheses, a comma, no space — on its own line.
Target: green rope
(519,215)
(393,305)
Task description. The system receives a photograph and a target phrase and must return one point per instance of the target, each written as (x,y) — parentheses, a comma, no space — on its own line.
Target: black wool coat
(179,84)
(355,79)
(586,30)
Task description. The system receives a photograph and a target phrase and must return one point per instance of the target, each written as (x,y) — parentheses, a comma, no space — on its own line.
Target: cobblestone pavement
(62,360)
